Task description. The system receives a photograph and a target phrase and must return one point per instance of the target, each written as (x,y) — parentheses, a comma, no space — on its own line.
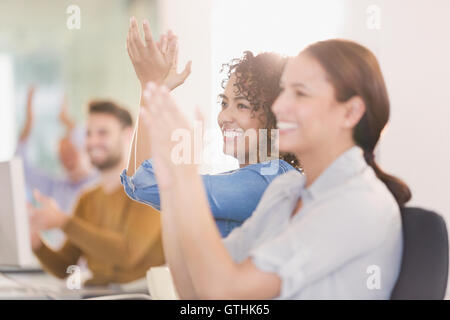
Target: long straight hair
(353,70)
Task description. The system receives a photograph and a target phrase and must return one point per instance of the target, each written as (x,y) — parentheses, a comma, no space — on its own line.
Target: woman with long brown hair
(333,233)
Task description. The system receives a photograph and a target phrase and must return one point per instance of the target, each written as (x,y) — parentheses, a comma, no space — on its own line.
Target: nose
(281,105)
(225,116)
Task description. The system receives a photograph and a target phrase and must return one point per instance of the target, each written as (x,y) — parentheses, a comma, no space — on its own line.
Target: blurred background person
(119,238)
(78,171)
(71,153)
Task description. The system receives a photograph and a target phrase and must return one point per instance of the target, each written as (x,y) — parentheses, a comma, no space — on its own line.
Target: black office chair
(424,269)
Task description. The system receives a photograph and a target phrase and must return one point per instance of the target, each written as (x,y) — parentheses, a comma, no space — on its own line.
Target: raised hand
(154,62)
(29,115)
(48,215)
(168,45)
(64,115)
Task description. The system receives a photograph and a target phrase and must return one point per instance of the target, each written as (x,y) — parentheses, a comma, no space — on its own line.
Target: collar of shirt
(346,166)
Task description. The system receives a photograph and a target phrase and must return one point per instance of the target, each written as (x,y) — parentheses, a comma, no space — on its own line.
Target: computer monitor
(15,246)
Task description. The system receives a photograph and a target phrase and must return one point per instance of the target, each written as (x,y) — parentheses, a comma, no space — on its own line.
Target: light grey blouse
(344,243)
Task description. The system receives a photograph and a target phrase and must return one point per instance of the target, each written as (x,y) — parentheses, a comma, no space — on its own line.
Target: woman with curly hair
(251,87)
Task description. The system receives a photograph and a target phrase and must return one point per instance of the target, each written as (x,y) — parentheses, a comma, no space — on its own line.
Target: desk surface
(44,286)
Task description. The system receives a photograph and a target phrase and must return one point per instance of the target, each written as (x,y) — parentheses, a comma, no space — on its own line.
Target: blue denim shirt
(232,196)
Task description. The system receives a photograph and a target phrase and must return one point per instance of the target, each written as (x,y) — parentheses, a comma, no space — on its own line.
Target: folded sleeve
(232,195)
(235,195)
(142,186)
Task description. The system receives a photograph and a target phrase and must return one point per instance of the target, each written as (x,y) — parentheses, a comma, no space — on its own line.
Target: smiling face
(237,118)
(308,115)
(106,140)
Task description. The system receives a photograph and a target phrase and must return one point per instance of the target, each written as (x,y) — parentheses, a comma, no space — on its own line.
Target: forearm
(105,244)
(56,262)
(140,149)
(175,259)
(210,266)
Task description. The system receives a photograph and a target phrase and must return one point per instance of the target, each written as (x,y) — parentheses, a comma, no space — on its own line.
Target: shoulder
(89,193)
(270,169)
(368,203)
(85,198)
(284,166)
(287,184)
(288,178)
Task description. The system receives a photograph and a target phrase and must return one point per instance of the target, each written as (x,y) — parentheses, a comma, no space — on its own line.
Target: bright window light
(6,108)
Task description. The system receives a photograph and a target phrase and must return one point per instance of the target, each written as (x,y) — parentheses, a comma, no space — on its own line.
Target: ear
(354,110)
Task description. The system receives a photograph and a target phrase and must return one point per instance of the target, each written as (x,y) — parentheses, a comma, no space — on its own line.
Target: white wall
(414,51)
(415,58)
(191,22)
(6,108)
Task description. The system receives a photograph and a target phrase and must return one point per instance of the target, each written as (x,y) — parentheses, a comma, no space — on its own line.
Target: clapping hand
(46,216)
(161,111)
(155,61)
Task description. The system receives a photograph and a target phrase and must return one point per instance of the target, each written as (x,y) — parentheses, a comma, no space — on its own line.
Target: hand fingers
(187,71)
(150,43)
(128,45)
(31,90)
(172,51)
(131,47)
(174,60)
(164,44)
(39,196)
(135,36)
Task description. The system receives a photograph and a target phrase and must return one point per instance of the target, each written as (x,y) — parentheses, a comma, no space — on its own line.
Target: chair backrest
(424,269)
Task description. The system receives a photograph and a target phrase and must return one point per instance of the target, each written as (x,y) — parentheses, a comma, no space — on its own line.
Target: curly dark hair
(258,80)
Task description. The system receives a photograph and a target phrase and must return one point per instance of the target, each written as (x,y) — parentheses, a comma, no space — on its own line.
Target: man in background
(119,238)
(78,171)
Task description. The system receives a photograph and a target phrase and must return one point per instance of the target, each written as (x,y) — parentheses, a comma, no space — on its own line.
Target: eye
(299,93)
(223,104)
(242,106)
